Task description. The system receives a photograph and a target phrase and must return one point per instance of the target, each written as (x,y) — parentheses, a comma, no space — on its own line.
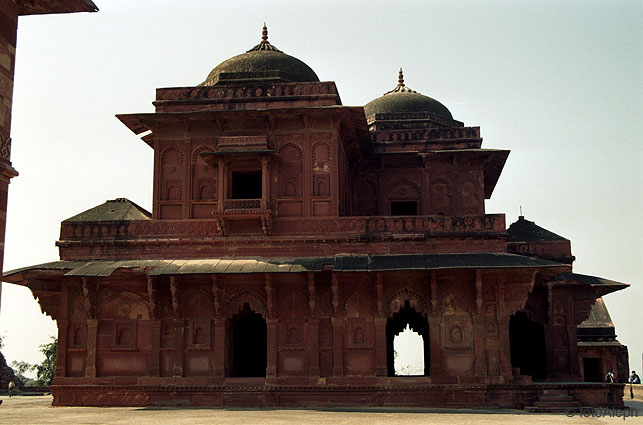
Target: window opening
(404,208)
(246,185)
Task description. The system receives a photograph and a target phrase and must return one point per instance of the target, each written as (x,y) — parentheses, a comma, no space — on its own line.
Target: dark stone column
(219,346)
(380,346)
(313,344)
(338,346)
(338,330)
(271,367)
(61,355)
(480,364)
(155,328)
(313,330)
(179,339)
(92,333)
(504,345)
(434,345)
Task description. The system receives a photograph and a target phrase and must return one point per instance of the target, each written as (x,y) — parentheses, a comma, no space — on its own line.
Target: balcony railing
(421,226)
(242,204)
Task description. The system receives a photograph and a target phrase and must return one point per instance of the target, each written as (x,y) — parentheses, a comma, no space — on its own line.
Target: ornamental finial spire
(264,33)
(400,78)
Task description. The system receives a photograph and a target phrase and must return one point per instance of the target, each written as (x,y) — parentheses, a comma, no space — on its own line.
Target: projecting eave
(42,7)
(494,162)
(602,286)
(247,265)
(355,128)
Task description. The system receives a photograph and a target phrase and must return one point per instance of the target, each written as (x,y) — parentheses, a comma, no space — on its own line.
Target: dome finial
(400,78)
(264,33)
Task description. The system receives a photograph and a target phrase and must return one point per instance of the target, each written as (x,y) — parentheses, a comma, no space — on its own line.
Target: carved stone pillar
(155,351)
(503,345)
(92,332)
(265,184)
(221,184)
(61,355)
(480,364)
(338,346)
(155,325)
(271,355)
(380,346)
(179,328)
(89,293)
(271,325)
(219,347)
(503,333)
(338,330)
(313,329)
(380,328)
(434,345)
(219,328)
(179,339)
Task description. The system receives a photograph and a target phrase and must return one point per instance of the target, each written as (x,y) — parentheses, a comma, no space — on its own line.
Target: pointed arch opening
(527,346)
(248,344)
(416,323)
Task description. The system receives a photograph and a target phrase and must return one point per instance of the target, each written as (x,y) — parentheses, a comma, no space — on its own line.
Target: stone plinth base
(410,395)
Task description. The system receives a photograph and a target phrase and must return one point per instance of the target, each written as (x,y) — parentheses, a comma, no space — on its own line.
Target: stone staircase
(554,401)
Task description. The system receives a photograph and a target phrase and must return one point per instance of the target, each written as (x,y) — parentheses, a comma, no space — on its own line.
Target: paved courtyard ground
(37,410)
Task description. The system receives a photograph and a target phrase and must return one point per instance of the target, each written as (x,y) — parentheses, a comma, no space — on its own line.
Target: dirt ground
(37,410)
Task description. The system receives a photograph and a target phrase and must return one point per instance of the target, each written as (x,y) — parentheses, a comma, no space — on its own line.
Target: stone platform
(385,394)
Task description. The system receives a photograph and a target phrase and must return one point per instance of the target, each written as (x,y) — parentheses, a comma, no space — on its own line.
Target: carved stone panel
(172,163)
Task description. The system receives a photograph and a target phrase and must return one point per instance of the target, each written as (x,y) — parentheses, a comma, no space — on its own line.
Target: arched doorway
(407,316)
(247,344)
(527,345)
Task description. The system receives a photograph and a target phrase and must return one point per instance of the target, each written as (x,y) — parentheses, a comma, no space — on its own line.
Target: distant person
(11,387)
(634,379)
(609,377)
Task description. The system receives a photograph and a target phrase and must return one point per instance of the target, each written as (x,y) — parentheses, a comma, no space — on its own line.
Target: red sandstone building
(291,239)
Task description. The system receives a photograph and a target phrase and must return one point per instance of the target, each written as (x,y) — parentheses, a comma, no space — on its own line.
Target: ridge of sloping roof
(119,209)
(528,231)
(599,317)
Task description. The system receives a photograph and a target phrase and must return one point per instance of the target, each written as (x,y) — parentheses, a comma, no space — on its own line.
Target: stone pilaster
(92,333)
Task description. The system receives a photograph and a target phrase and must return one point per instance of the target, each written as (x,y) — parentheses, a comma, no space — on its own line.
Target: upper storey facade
(265,158)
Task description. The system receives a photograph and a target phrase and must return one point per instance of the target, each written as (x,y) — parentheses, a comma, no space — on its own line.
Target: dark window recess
(246,185)
(404,208)
(592,369)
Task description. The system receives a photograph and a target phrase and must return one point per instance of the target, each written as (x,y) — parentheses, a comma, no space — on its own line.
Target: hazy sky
(559,83)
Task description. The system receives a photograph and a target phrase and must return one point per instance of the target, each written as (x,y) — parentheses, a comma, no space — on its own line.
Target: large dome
(402,99)
(264,62)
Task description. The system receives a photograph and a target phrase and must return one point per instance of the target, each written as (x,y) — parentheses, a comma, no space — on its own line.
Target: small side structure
(598,349)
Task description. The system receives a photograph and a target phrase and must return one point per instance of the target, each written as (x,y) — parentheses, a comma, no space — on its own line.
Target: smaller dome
(264,62)
(403,99)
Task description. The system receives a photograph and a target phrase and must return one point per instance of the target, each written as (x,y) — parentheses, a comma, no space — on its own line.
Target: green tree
(20,368)
(45,370)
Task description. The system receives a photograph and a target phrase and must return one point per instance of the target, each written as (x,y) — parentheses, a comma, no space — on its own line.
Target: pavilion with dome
(291,239)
